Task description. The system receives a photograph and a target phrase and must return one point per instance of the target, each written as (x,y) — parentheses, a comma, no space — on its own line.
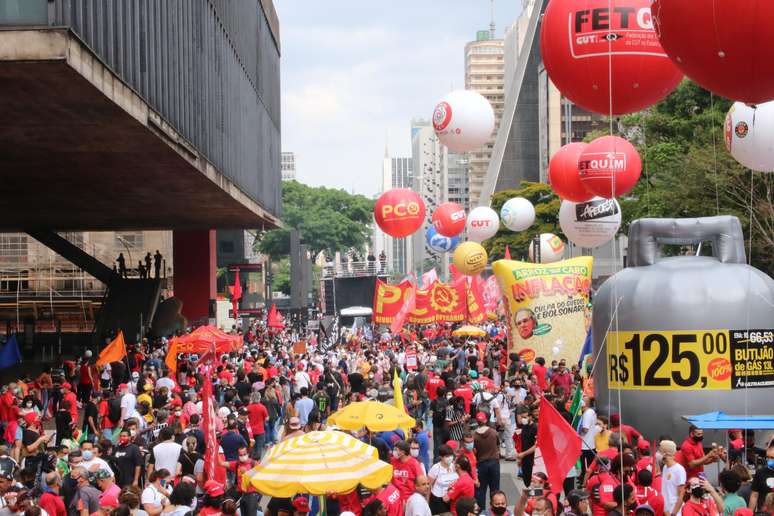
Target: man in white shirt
(417,504)
(91,462)
(301,379)
(588,433)
(167,382)
(166,454)
(672,479)
(128,404)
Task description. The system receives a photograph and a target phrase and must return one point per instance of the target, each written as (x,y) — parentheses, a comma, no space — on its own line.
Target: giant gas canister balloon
(517,214)
(591,223)
(669,329)
(609,167)
(399,212)
(580,39)
(440,243)
(470,258)
(482,223)
(463,120)
(563,174)
(749,133)
(449,219)
(724,46)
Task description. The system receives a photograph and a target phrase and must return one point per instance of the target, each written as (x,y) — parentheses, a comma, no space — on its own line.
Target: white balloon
(463,120)
(555,350)
(482,224)
(590,223)
(517,214)
(749,133)
(551,248)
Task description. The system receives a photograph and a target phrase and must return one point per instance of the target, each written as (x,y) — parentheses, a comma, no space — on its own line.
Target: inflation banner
(547,306)
(690,359)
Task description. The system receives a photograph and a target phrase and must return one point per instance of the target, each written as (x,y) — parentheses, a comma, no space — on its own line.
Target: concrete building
(431,181)
(166,117)
(288,166)
(396,173)
(484,71)
(458,187)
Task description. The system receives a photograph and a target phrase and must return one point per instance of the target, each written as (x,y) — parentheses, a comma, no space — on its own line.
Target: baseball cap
(576,495)
(67,385)
(454,445)
(101,474)
(213,488)
(122,386)
(668,447)
(643,444)
(301,503)
(481,417)
(294,423)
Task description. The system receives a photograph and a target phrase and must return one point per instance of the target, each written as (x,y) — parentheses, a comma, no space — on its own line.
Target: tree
(281,276)
(546,220)
(328,219)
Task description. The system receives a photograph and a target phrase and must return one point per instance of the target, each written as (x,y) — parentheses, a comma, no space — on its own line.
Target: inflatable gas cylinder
(684,335)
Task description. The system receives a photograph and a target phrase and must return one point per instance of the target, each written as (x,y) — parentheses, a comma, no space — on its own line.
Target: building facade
(288,166)
(484,73)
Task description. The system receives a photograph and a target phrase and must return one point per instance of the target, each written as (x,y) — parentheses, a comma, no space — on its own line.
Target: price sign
(669,360)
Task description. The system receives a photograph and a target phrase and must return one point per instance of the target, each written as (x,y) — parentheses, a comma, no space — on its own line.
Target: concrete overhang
(80,150)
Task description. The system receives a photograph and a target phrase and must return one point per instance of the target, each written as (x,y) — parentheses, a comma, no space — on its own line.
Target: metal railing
(354,269)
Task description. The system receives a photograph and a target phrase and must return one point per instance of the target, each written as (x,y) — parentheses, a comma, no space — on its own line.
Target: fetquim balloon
(609,167)
(563,174)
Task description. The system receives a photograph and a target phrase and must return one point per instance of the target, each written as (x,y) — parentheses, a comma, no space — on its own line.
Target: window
(13,248)
(131,239)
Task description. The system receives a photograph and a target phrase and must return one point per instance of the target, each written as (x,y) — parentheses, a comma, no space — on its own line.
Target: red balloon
(449,219)
(580,39)
(723,45)
(563,174)
(609,166)
(399,212)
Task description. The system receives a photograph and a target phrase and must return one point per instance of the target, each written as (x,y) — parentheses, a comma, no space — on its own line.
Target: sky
(354,74)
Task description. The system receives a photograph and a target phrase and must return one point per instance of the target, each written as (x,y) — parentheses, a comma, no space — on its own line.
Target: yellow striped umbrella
(469,331)
(376,416)
(318,463)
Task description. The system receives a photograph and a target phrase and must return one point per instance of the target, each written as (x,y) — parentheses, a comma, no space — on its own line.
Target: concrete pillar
(195,270)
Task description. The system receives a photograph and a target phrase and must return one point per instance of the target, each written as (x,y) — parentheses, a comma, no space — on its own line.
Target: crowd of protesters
(127,438)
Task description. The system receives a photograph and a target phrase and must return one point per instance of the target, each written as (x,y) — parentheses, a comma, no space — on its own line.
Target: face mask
(244,458)
(133,432)
(770,463)
(469,446)
(123,440)
(178,414)
(65,457)
(448,395)
(396,454)
(414,453)
(697,492)
(28,404)
(447,460)
(525,421)
(498,510)
(698,438)
(599,428)
(88,454)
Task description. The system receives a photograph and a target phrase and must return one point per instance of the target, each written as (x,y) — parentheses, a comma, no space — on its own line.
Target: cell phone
(536,491)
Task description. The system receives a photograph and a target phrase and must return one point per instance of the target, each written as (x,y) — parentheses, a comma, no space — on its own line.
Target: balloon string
(749,297)
(714,153)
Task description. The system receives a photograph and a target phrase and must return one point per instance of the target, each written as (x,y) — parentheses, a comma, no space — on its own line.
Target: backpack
(485,405)
(114,410)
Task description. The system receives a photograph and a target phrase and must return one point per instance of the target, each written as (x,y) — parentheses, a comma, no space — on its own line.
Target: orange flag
(113,352)
(171,359)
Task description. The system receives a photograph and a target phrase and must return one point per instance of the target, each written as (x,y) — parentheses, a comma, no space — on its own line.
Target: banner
(428,278)
(411,359)
(476,307)
(208,416)
(547,306)
(690,359)
(441,302)
(492,295)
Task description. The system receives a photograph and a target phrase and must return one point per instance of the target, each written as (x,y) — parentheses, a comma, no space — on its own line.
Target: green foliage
(280,281)
(546,220)
(329,220)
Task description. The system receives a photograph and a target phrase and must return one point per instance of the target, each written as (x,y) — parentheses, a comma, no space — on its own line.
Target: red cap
(213,488)
(301,503)
(177,402)
(122,386)
(454,445)
(481,417)
(300,367)
(67,385)
(643,444)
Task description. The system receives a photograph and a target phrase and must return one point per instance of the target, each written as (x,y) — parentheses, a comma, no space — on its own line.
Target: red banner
(208,413)
(492,295)
(442,302)
(409,304)
(476,307)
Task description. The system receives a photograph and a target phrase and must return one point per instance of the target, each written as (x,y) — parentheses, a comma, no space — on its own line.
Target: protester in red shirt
(51,501)
(69,395)
(561,379)
(257,414)
(647,494)
(405,469)
(539,370)
(601,485)
(465,392)
(391,499)
(697,504)
(248,498)
(432,385)
(693,455)
(463,486)
(631,433)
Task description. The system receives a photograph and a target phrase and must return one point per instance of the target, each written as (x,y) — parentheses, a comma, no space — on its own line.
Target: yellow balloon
(470,258)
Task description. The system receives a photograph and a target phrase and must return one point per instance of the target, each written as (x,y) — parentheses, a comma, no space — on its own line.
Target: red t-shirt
(650,496)
(432,387)
(691,508)
(226,377)
(540,373)
(466,393)
(563,380)
(85,376)
(631,433)
(52,504)
(350,502)
(70,396)
(601,487)
(6,406)
(404,474)
(391,498)
(464,486)
(240,468)
(257,415)
(691,450)
(102,412)
(486,384)
(471,455)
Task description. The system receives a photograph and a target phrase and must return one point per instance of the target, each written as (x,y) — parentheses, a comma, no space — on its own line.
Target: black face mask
(498,510)
(698,438)
(697,492)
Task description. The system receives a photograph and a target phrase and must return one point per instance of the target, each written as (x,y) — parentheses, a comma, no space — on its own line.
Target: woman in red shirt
(464,485)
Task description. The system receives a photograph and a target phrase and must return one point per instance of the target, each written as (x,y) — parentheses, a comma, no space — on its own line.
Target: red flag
(476,307)
(428,278)
(409,304)
(275,320)
(236,294)
(455,274)
(208,413)
(507,253)
(559,444)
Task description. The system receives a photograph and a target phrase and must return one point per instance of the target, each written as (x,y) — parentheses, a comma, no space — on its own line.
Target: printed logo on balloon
(517,214)
(449,219)
(748,133)
(482,224)
(463,120)
(399,212)
(591,223)
(440,243)
(609,167)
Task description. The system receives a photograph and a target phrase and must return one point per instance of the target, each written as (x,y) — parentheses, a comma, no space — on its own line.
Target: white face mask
(414,453)
(396,454)
(525,421)
(599,427)
(448,460)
